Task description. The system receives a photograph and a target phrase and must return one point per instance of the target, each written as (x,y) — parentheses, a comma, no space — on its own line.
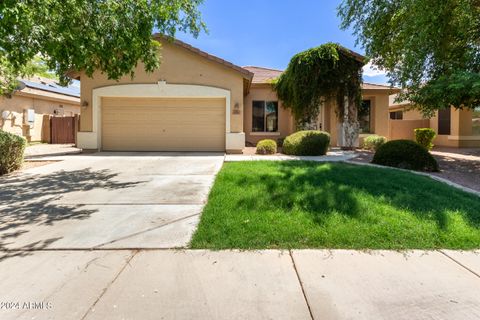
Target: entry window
(444,121)
(364,116)
(265,116)
(476,122)
(396,115)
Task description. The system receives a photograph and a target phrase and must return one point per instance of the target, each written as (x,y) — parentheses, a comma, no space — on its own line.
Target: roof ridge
(266,68)
(381,85)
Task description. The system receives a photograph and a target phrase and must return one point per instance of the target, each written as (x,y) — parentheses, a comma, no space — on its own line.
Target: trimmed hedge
(405,154)
(373,142)
(266,146)
(12,148)
(424,137)
(307,143)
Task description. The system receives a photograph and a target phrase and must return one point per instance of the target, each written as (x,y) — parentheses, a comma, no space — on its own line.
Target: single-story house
(198,102)
(23,112)
(454,127)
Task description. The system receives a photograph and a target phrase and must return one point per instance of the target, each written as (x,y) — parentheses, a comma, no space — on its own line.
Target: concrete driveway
(107,200)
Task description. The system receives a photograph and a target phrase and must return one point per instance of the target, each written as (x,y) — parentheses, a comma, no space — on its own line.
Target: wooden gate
(63,130)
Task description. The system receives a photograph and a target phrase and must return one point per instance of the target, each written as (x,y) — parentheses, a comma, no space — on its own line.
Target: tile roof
(263,75)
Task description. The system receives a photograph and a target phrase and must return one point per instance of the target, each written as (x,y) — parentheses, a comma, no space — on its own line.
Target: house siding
(17,106)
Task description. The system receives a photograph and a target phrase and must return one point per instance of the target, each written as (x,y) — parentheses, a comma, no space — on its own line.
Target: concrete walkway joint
(92,307)
(459,263)
(301,284)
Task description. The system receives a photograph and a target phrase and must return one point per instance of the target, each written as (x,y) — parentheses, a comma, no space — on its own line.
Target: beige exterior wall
(460,130)
(412,115)
(380,113)
(443,140)
(286,125)
(179,66)
(17,114)
(404,129)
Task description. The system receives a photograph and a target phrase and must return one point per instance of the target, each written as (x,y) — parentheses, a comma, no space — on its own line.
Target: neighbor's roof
(45,84)
(246,73)
(393,104)
(373,86)
(263,75)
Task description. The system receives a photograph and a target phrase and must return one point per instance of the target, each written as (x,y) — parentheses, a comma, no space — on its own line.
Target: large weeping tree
(325,73)
(107,35)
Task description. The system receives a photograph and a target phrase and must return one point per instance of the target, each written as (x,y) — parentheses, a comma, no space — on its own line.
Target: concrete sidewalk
(334,155)
(268,284)
(49,150)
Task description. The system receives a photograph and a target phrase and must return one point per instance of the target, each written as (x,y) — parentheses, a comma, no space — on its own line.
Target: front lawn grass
(301,204)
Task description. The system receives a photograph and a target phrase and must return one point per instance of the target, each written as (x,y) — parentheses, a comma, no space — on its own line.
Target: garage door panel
(141,124)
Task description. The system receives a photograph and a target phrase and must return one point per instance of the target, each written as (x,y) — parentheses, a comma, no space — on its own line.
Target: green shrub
(373,142)
(424,137)
(12,148)
(405,154)
(307,143)
(266,146)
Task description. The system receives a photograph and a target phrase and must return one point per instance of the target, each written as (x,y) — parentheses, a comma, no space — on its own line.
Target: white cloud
(371,70)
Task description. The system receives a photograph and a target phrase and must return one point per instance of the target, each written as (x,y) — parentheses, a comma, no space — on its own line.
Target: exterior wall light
(236,108)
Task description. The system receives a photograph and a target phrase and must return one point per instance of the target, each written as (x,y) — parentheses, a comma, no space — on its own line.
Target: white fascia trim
(162,89)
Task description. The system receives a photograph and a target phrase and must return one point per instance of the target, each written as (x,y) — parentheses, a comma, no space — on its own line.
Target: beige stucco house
(198,102)
(454,128)
(23,113)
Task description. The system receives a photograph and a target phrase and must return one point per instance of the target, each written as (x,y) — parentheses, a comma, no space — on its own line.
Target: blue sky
(269,32)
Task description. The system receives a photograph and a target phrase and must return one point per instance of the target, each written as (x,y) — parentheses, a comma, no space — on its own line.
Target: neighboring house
(24,111)
(454,128)
(198,102)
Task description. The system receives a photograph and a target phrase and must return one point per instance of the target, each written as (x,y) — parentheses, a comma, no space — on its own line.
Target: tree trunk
(349,126)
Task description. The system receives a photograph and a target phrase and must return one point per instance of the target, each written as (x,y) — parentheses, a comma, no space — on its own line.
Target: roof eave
(354,54)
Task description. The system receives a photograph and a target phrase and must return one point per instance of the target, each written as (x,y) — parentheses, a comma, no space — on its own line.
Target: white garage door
(161,124)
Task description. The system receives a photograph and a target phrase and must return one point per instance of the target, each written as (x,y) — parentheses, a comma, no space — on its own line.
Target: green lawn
(296,204)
